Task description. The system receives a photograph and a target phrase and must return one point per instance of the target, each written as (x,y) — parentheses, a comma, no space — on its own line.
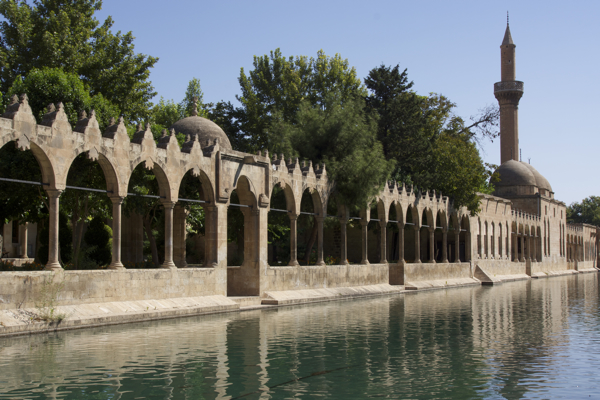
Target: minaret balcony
(508,86)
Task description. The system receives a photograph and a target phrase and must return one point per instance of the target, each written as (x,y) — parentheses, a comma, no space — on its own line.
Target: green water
(535,339)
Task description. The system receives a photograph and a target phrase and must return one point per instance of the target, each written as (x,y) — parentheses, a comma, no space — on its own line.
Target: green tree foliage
(433,147)
(99,237)
(340,134)
(53,85)
(64,34)
(278,85)
(401,125)
(587,212)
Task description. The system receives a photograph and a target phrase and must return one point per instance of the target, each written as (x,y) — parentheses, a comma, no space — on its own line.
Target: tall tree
(432,146)
(65,34)
(341,135)
(402,124)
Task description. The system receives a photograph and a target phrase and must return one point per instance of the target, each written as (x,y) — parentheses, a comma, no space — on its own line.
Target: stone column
(293,239)
(457,245)
(53,249)
(215,238)
(168,205)
(179,236)
(417,243)
(444,245)
(400,242)
(383,226)
(432,244)
(116,228)
(320,260)
(23,240)
(364,227)
(344,241)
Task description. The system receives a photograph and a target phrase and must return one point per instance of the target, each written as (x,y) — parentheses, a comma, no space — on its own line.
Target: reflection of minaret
(508,92)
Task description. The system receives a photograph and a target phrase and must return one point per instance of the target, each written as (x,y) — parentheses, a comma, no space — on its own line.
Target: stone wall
(19,289)
(324,276)
(416,272)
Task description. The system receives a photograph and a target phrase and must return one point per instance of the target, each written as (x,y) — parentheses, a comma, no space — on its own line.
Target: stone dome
(204,129)
(515,173)
(540,181)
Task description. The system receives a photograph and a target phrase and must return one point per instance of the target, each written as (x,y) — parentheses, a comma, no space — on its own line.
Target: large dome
(519,178)
(515,173)
(540,181)
(204,129)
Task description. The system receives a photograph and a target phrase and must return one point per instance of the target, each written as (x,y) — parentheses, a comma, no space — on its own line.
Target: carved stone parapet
(510,86)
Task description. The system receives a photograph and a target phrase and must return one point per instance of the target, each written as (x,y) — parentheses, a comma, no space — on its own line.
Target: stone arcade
(520,233)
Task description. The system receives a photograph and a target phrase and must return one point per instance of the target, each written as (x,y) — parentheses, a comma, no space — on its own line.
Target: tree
(587,212)
(342,136)
(64,34)
(278,85)
(402,124)
(433,148)
(167,112)
(54,85)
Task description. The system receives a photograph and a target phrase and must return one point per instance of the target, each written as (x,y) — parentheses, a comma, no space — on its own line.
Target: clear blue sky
(450,48)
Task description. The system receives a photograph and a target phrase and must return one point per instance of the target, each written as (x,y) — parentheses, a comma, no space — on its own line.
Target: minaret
(508,92)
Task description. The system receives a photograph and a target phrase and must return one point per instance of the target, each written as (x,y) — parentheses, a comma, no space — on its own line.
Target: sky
(451,48)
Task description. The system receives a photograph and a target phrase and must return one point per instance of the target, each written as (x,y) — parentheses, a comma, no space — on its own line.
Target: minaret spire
(508,92)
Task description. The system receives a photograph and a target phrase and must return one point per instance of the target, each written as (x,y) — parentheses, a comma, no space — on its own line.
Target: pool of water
(533,339)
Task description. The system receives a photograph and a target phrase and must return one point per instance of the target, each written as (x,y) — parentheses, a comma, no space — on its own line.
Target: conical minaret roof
(507,36)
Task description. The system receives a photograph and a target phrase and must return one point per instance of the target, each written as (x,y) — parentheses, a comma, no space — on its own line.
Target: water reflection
(535,339)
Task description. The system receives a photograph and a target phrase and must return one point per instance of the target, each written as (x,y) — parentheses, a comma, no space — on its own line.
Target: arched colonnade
(55,145)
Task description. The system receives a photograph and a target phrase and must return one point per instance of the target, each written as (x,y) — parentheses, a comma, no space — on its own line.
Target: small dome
(204,129)
(515,173)
(540,181)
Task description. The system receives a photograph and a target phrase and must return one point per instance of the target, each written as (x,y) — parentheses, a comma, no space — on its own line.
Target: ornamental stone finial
(195,110)
(14,99)
(51,108)
(82,115)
